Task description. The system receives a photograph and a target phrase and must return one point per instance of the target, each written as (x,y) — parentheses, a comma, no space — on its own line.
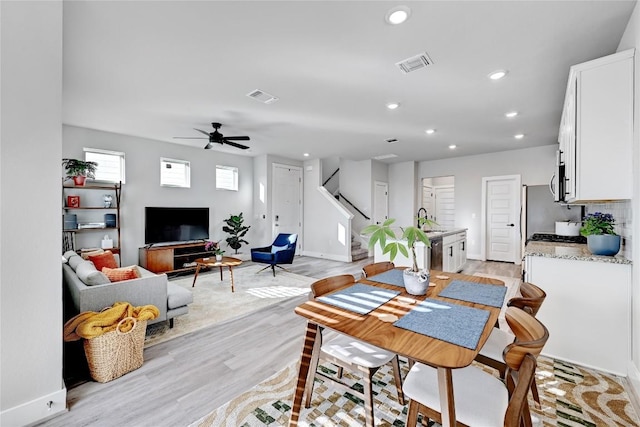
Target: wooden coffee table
(227,261)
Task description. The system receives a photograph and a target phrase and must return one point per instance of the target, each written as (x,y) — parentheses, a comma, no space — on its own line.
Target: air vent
(385,156)
(391,140)
(414,63)
(262,96)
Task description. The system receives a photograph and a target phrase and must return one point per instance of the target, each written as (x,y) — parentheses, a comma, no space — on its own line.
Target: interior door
(445,206)
(428,200)
(287,200)
(380,202)
(502,208)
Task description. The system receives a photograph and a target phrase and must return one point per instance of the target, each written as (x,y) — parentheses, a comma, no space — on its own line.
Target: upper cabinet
(596,130)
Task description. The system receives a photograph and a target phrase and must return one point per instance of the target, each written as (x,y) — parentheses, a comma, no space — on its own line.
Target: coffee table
(226,261)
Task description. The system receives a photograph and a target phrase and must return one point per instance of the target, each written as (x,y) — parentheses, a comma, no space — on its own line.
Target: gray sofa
(89,291)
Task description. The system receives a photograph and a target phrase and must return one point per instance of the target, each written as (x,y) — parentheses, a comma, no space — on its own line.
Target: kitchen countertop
(573,251)
(438,235)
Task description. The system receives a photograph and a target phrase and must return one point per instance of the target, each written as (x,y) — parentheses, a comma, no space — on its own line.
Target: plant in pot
(236,230)
(416,281)
(215,248)
(601,237)
(79,170)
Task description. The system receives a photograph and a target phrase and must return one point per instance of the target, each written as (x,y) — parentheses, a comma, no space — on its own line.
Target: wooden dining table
(370,328)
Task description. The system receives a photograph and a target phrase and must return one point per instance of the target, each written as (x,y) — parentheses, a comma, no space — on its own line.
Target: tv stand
(172,258)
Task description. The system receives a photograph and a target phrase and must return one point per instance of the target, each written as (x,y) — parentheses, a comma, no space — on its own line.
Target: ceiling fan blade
(233,144)
(237,138)
(189,137)
(201,131)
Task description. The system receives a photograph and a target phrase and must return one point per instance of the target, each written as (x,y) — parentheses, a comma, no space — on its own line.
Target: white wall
(404,193)
(142,187)
(356,185)
(631,39)
(535,165)
(30,241)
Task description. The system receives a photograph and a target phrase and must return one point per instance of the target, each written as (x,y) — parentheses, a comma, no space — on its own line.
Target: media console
(174,258)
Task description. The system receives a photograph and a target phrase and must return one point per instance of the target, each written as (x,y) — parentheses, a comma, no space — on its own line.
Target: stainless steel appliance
(558,181)
(550,237)
(436,254)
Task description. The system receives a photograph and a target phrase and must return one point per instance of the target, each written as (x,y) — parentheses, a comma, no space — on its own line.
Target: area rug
(214,302)
(570,395)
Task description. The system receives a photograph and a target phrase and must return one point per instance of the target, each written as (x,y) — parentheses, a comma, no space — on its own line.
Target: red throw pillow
(102,260)
(119,274)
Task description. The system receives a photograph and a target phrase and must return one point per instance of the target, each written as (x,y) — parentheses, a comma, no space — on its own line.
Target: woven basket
(113,354)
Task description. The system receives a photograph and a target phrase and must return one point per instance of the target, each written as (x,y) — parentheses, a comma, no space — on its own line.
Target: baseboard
(327,256)
(36,411)
(633,382)
(476,257)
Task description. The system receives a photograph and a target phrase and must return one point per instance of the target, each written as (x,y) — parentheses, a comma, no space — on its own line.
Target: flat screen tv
(166,225)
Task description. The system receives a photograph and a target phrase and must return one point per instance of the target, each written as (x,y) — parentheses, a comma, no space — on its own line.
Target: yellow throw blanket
(91,324)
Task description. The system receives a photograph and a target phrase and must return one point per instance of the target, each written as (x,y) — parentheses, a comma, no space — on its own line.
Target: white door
(428,200)
(287,200)
(380,202)
(502,202)
(445,206)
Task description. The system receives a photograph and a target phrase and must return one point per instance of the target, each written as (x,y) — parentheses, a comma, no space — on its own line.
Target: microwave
(557,184)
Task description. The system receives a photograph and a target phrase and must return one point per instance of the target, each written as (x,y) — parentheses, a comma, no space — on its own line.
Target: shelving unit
(172,258)
(90,205)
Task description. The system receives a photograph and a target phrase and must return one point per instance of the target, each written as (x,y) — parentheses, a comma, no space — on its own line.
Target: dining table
(383,325)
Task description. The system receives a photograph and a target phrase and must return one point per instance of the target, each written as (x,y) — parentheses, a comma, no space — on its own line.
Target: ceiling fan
(216,137)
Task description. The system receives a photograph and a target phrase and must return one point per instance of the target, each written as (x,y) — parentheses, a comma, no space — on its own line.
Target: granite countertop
(574,251)
(437,235)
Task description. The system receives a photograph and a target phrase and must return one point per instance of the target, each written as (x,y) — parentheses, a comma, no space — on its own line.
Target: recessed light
(511,114)
(430,131)
(452,147)
(393,105)
(306,154)
(397,15)
(519,136)
(498,74)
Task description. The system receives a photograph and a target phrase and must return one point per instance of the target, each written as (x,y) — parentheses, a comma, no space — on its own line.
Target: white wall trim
(36,410)
(333,257)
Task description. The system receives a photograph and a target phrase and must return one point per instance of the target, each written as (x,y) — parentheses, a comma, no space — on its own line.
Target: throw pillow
(102,260)
(275,249)
(88,274)
(86,255)
(120,274)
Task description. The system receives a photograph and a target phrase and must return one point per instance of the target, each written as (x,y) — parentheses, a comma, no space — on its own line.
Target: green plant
(381,232)
(236,230)
(598,223)
(75,167)
(213,247)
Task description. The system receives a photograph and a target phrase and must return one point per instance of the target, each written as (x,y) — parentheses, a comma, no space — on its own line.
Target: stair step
(355,246)
(359,254)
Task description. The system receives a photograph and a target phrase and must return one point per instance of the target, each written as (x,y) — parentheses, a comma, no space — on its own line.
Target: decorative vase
(603,244)
(416,283)
(218,258)
(79,180)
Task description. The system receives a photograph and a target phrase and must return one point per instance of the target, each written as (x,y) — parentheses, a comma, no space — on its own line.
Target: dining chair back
(346,352)
(377,268)
(531,300)
(480,398)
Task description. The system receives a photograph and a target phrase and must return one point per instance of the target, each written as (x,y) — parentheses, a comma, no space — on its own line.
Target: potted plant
(79,170)
(601,237)
(416,281)
(236,230)
(215,248)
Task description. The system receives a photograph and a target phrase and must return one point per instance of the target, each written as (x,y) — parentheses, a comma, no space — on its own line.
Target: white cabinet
(597,128)
(587,310)
(454,252)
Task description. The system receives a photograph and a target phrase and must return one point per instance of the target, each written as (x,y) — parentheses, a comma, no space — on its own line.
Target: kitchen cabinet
(587,309)
(596,130)
(454,252)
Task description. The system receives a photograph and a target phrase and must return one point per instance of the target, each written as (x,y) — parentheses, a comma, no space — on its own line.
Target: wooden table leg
(196,276)
(231,274)
(221,273)
(447,406)
(305,359)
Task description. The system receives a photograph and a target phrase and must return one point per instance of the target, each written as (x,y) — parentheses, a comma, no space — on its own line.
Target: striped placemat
(359,298)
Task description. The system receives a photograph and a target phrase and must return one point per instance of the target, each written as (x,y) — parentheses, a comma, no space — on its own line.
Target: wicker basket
(115,353)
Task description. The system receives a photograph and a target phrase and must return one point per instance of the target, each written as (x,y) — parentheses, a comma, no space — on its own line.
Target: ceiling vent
(414,63)
(262,96)
(385,156)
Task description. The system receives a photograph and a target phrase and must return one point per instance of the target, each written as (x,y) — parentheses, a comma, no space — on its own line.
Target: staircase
(357,251)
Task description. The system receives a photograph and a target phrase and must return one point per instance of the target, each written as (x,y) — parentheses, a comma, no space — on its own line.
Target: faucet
(419,217)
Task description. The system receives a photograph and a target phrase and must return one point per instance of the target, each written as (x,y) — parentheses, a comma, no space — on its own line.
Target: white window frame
(227,178)
(102,175)
(177,182)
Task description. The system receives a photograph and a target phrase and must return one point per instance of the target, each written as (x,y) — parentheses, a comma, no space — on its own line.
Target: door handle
(511,225)
(450,250)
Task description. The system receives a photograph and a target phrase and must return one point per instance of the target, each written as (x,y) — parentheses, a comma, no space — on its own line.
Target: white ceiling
(160,69)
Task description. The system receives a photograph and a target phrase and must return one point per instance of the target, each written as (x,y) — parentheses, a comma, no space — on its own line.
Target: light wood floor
(187,377)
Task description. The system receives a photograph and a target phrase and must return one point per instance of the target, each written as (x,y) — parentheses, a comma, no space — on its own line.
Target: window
(226,178)
(110,164)
(175,173)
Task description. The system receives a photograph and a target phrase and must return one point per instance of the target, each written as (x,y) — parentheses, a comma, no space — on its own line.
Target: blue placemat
(359,298)
(389,277)
(478,293)
(453,323)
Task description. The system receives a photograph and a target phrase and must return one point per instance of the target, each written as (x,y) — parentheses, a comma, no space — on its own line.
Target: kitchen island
(588,304)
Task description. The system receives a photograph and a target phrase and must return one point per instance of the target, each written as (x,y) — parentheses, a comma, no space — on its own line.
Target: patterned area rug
(571,396)
(214,302)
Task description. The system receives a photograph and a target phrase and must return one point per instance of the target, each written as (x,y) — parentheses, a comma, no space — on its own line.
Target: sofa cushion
(68,254)
(177,296)
(74,261)
(88,274)
(120,274)
(105,259)
(86,255)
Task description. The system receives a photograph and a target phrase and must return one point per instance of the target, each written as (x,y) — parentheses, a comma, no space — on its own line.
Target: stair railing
(354,206)
(332,175)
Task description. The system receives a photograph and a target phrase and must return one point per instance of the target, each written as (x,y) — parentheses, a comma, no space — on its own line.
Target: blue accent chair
(281,251)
